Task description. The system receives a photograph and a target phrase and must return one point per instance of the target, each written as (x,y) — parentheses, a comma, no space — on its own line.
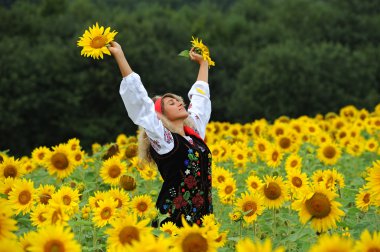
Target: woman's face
(174,110)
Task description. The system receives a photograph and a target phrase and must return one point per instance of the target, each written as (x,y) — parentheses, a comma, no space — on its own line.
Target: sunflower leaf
(184,53)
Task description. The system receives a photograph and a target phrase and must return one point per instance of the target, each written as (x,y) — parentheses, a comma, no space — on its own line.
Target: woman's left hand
(196,56)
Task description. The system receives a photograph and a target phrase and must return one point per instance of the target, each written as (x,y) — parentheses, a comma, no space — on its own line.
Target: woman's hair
(143,139)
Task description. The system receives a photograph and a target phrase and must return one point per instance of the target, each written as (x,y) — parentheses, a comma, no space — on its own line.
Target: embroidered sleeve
(140,109)
(200,106)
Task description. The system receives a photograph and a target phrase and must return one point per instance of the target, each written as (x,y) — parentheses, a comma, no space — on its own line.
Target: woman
(173,137)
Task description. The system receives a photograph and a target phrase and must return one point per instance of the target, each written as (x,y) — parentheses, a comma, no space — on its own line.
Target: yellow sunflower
(54,238)
(121,140)
(297,182)
(44,193)
(105,212)
(68,197)
(56,214)
(151,243)
(39,154)
(261,146)
(203,50)
(22,197)
(112,169)
(170,228)
(95,40)
(74,144)
(333,179)
(226,191)
(293,163)
(94,200)
(216,151)
(329,153)
(130,150)
(124,231)
(219,175)
(319,207)
(273,156)
(11,167)
(7,224)
(253,183)
(194,238)
(6,185)
(128,183)
(373,179)
(26,239)
(275,191)
(7,244)
(120,196)
(371,145)
(327,243)
(38,216)
(251,205)
(141,204)
(247,245)
(60,161)
(367,242)
(363,200)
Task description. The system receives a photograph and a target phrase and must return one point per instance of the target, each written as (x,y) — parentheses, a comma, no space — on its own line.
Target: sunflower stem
(240,228)
(274,223)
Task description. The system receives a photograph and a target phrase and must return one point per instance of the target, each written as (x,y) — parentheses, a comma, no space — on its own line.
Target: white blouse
(140,109)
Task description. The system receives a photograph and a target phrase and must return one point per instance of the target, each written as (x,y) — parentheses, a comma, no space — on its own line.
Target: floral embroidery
(155,144)
(190,182)
(168,137)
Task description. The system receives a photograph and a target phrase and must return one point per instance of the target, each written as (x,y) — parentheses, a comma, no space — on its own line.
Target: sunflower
(149,173)
(151,243)
(203,50)
(54,238)
(318,205)
(293,163)
(240,159)
(22,196)
(74,144)
(333,179)
(367,242)
(94,200)
(86,210)
(356,147)
(141,204)
(130,151)
(38,215)
(194,238)
(124,231)
(79,157)
(95,40)
(120,196)
(318,176)
(261,146)
(25,240)
(68,197)
(112,169)
(247,245)
(127,182)
(251,205)
(44,193)
(297,182)
(253,183)
(7,224)
(170,228)
(7,244)
(216,151)
(273,156)
(327,243)
(371,145)
(219,175)
(363,200)
(226,190)
(39,154)
(259,127)
(11,167)
(105,212)
(6,185)
(274,191)
(57,214)
(328,153)
(60,161)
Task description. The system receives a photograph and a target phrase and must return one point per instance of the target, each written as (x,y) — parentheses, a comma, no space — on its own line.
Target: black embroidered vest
(186,190)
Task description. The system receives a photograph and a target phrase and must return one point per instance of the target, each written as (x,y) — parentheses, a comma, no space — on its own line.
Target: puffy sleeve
(200,106)
(140,109)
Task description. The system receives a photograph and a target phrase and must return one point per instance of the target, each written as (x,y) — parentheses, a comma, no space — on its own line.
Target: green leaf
(184,53)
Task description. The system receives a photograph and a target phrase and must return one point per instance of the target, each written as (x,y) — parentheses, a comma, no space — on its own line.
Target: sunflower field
(297,184)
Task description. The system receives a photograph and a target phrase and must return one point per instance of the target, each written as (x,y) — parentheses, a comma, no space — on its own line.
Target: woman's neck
(178,127)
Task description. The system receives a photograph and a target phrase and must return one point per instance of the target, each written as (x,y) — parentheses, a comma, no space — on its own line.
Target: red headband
(157,105)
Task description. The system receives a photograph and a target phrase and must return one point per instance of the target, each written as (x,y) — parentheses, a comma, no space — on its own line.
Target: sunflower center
(98,42)
(66,200)
(285,143)
(24,197)
(41,218)
(56,216)
(275,156)
(279,132)
(329,152)
(7,191)
(366,198)
(119,202)
(215,152)
(127,183)
(373,249)
(142,206)
(319,205)
(254,185)
(261,147)
(78,157)
(10,171)
(44,198)
(194,242)
(106,213)
(168,231)
(294,163)
(41,156)
(228,189)
(131,151)
(250,205)
(129,234)
(54,246)
(60,161)
(297,182)
(272,191)
(114,171)
(221,179)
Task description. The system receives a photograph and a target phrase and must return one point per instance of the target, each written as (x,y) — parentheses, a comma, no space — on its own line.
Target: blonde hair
(143,139)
